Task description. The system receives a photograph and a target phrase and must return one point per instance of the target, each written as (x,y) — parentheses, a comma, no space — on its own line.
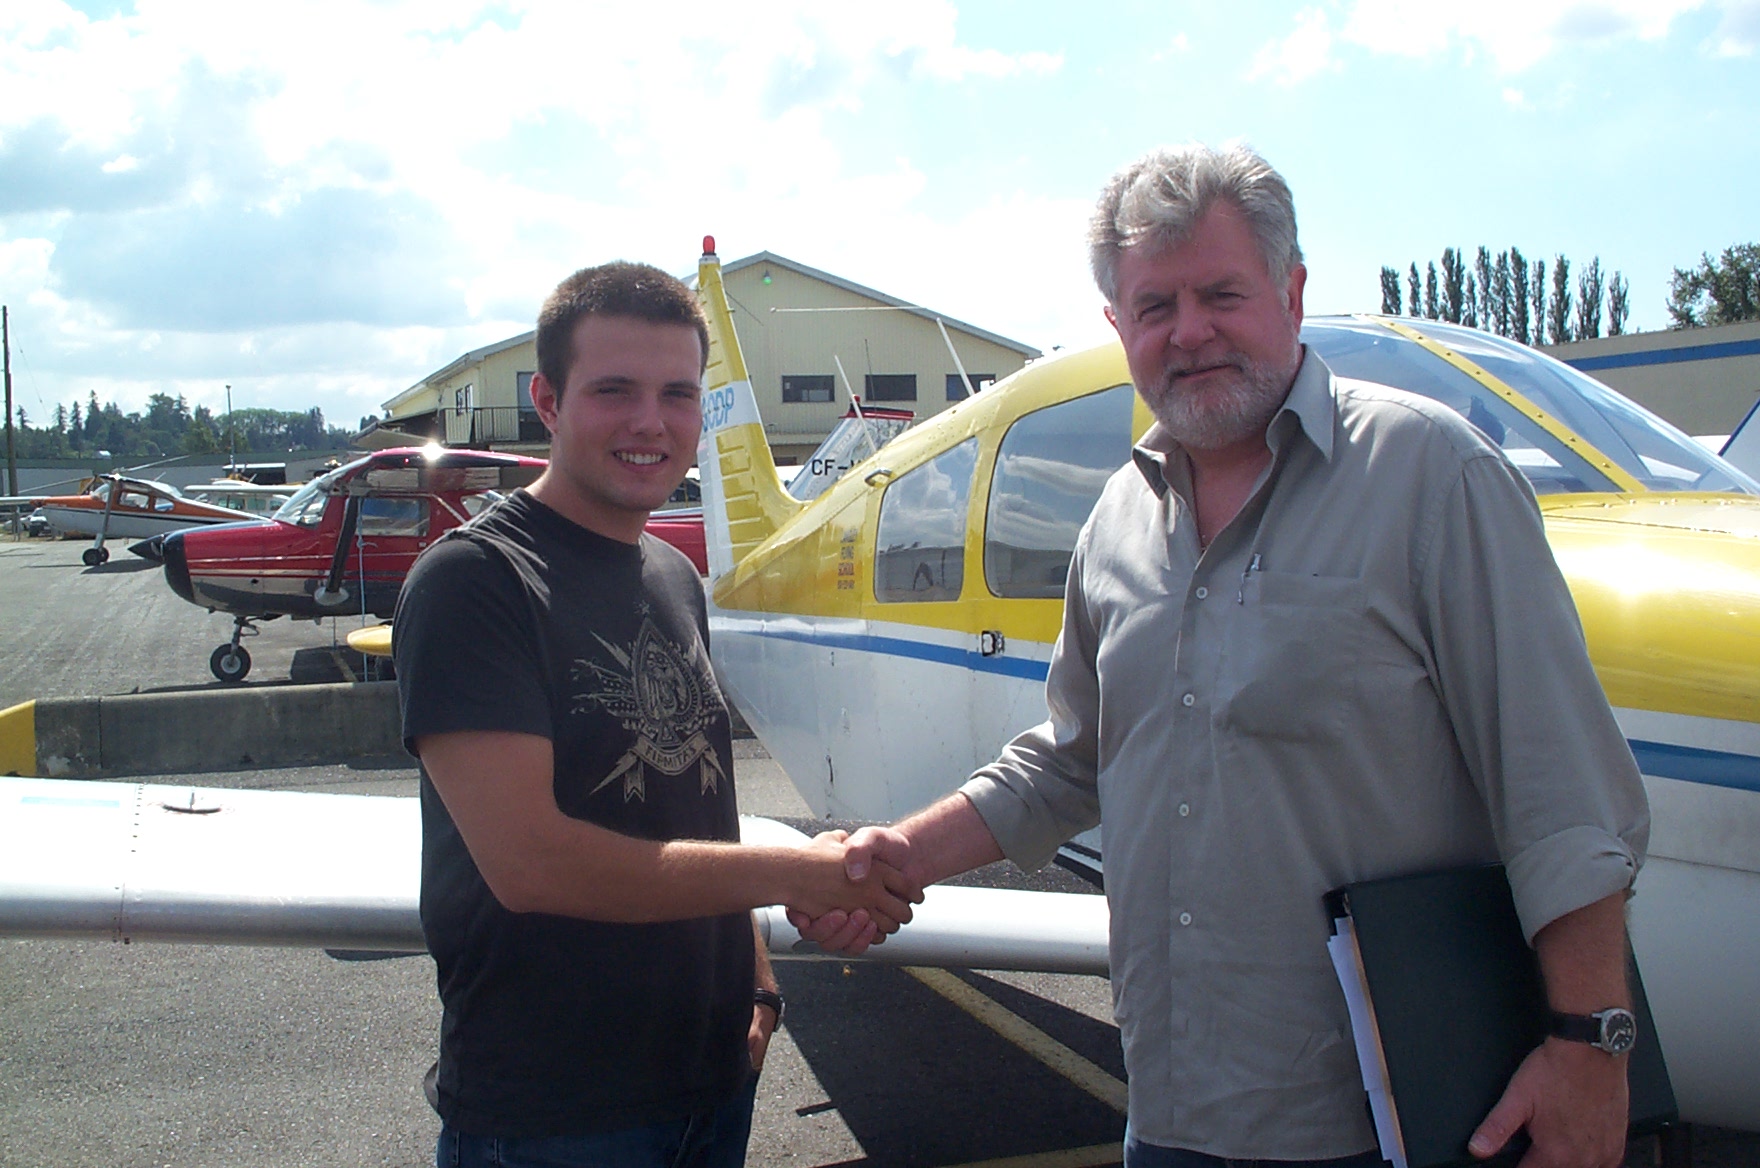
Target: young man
(582,894)
(1312,634)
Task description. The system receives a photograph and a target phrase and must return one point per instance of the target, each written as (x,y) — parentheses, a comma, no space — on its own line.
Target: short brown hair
(615,289)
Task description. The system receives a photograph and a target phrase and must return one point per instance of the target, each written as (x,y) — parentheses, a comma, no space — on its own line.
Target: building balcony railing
(489,425)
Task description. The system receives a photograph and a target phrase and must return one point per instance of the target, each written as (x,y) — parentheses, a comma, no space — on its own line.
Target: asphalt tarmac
(156,1055)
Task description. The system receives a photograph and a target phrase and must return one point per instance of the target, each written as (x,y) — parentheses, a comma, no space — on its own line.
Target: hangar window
(1049,472)
(956,385)
(808,387)
(890,387)
(393,516)
(921,543)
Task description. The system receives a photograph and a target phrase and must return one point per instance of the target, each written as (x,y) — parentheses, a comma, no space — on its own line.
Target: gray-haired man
(1313,634)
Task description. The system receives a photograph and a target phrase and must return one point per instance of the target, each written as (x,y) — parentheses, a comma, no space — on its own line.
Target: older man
(1312,635)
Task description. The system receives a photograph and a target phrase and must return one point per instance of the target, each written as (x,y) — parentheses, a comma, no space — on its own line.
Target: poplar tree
(1538,291)
(1482,277)
(1431,308)
(1558,321)
(1414,306)
(1390,291)
(1589,301)
(1618,304)
(1500,295)
(1470,302)
(1518,295)
(1454,284)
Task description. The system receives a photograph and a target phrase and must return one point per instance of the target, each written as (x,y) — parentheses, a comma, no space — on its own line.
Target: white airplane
(889,637)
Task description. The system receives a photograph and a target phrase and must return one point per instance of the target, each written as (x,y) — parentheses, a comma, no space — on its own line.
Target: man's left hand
(758,1037)
(1572,1099)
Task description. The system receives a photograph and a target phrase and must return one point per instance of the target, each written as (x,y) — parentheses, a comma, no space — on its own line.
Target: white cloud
(1304,53)
(1738,32)
(1516,34)
(383,165)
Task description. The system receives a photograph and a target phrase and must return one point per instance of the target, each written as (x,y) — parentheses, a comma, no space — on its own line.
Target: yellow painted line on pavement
(1087,1075)
(1067,1158)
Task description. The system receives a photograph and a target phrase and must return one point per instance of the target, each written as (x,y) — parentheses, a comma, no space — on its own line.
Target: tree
(1500,293)
(1518,295)
(1618,304)
(1537,290)
(1720,291)
(1414,306)
(1454,285)
(1390,291)
(1431,307)
(1470,302)
(1558,321)
(1482,281)
(1589,301)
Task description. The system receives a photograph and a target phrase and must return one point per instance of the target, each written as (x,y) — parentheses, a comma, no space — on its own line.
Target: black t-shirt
(524,621)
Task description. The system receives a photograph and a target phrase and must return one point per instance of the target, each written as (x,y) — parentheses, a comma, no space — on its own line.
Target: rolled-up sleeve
(1567,803)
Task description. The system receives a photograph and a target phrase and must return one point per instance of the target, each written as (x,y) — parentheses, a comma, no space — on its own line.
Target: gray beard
(1220,416)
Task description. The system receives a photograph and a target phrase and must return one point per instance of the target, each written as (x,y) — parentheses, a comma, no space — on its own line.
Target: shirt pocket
(1291,650)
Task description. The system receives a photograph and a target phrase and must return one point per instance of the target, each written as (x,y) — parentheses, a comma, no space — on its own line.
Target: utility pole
(6,359)
(231,455)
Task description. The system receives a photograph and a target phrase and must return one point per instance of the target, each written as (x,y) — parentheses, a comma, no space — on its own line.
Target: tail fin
(743,499)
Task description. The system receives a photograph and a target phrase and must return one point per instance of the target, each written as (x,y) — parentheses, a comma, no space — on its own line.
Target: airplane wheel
(95,556)
(229,663)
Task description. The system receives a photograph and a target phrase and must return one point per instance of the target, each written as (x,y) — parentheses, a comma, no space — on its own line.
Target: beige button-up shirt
(1374,669)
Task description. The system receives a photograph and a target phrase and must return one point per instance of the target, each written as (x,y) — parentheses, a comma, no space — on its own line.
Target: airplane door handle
(990,643)
(875,477)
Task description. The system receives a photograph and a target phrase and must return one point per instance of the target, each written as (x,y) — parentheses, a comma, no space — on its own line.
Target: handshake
(860,889)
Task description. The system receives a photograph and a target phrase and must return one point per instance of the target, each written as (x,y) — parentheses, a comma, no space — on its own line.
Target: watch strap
(764,997)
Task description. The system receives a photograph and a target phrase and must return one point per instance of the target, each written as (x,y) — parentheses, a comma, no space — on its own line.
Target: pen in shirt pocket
(1252,566)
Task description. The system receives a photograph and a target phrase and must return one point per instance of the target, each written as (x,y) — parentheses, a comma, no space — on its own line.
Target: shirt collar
(1311,408)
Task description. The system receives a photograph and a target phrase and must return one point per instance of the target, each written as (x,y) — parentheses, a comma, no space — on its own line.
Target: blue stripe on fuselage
(916,650)
(1690,764)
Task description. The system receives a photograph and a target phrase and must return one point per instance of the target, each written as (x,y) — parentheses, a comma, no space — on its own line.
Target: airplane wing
(145,862)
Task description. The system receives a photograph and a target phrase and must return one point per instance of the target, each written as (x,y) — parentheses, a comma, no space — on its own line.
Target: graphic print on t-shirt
(663,698)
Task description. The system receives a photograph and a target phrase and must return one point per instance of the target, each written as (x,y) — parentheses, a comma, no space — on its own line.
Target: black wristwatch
(1613,1030)
(764,997)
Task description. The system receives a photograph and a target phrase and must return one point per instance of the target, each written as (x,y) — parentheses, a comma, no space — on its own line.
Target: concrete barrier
(224,729)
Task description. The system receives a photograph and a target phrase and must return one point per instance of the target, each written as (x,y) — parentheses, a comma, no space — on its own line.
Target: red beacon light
(708,245)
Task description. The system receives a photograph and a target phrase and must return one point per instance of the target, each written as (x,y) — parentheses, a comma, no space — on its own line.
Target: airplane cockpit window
(163,504)
(1050,469)
(1644,446)
(306,508)
(134,499)
(475,505)
(394,516)
(921,542)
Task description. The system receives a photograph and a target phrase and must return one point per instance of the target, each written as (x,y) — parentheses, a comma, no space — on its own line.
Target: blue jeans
(709,1139)
(1140,1155)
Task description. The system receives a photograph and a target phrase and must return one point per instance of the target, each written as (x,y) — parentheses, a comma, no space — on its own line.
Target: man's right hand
(878,854)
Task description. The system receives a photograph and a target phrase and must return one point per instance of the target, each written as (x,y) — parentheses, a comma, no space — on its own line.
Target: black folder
(1456,1002)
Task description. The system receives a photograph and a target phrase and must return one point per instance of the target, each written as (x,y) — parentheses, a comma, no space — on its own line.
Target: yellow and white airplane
(888,637)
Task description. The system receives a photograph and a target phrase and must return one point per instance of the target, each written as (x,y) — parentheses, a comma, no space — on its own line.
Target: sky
(319,203)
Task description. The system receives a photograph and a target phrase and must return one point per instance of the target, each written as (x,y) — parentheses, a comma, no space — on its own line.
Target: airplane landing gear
(93,556)
(230,662)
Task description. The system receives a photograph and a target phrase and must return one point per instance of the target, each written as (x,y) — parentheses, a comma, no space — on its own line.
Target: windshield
(1643,445)
(306,508)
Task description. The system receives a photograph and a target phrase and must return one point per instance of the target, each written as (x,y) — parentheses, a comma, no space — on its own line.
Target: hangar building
(797,325)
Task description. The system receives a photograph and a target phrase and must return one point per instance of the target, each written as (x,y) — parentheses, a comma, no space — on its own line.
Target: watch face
(1619,1031)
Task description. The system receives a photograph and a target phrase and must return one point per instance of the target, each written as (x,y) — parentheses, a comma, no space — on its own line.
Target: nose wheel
(230,662)
(93,556)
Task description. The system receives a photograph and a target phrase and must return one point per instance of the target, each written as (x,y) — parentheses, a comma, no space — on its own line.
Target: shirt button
(1185,809)
(1185,918)
(1202,592)
(1188,700)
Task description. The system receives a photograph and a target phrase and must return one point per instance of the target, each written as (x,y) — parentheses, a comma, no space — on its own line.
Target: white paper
(1347,962)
